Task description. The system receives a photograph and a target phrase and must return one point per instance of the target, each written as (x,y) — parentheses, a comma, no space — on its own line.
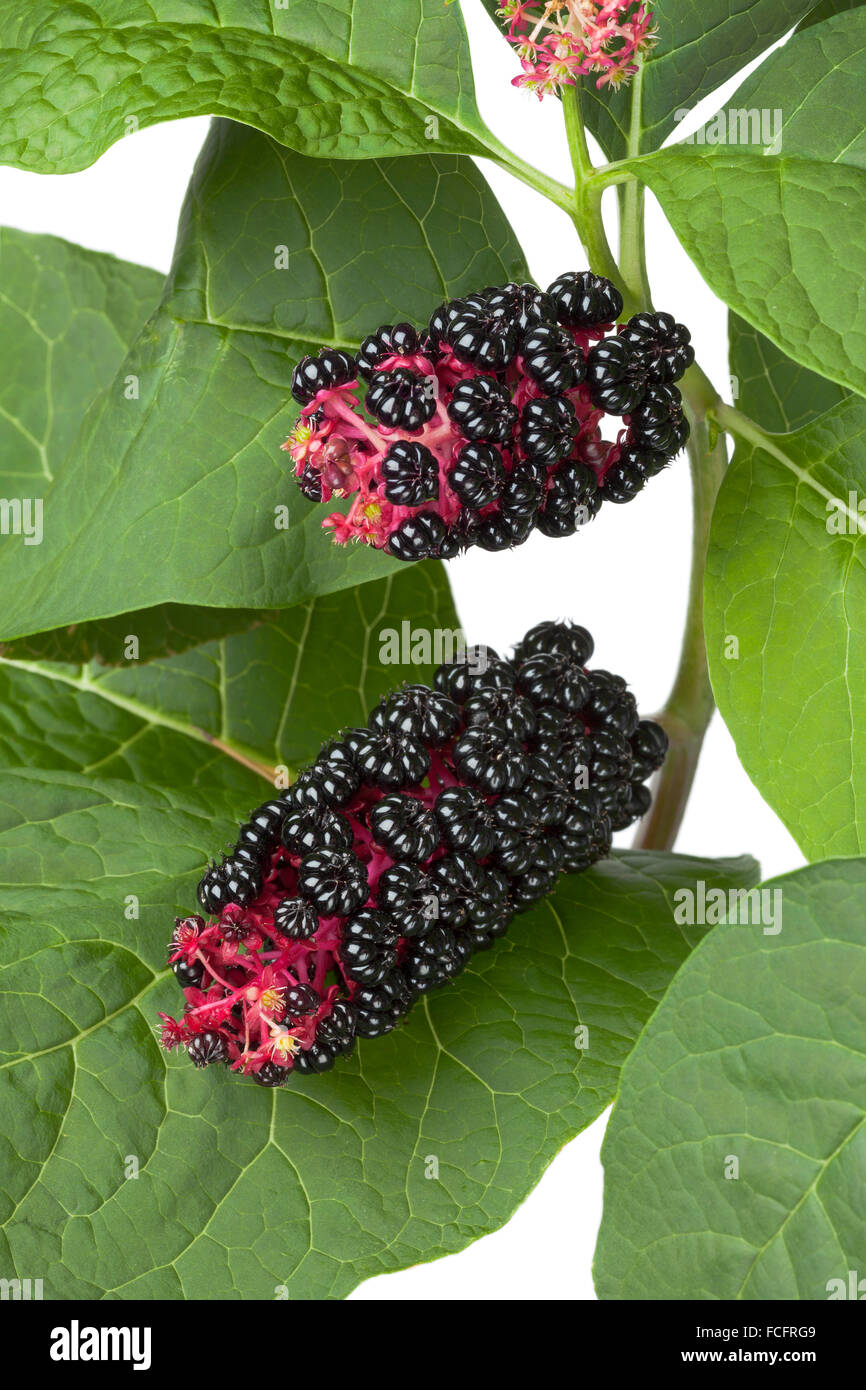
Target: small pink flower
(562,40)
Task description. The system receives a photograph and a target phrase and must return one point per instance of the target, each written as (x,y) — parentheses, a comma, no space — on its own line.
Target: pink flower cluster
(562,40)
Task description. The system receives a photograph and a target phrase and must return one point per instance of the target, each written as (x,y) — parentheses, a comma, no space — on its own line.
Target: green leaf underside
(272,693)
(319,1186)
(778,394)
(827,10)
(780,241)
(791,592)
(756,1053)
(347,79)
(171,497)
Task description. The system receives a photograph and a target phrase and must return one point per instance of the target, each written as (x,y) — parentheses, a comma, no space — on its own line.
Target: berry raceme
(406,846)
(488,424)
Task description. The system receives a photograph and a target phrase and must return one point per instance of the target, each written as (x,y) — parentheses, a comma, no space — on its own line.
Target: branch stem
(690,705)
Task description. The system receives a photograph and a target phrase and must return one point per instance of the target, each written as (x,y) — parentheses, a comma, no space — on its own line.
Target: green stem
(552,189)
(632,232)
(586,210)
(690,705)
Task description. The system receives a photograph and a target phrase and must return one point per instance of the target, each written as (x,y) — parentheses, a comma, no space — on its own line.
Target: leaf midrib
(148,714)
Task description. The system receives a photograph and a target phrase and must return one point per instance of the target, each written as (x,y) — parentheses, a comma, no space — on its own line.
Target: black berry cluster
(407,846)
(488,424)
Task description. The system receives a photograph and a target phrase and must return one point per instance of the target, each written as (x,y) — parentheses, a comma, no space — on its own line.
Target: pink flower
(562,40)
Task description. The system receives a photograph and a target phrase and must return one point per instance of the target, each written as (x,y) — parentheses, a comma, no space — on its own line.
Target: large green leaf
(777,393)
(346,79)
(241,1193)
(756,1055)
(827,10)
(780,241)
(791,590)
(271,693)
(172,492)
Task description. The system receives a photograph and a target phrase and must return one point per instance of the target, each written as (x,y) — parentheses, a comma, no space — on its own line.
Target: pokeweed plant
(171,606)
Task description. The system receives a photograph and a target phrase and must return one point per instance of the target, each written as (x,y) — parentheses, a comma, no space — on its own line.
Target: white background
(625,578)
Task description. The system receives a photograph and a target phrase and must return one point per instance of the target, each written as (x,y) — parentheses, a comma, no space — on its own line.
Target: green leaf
(755,1054)
(172,493)
(347,79)
(778,394)
(815,84)
(67,317)
(313,1188)
(790,589)
(271,693)
(780,241)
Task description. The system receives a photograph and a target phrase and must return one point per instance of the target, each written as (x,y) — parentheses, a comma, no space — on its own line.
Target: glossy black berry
(334,881)
(649,745)
(418,537)
(316,827)
(659,422)
(189,974)
(466,821)
(482,339)
(432,960)
(524,305)
(404,827)
(296,918)
(337,1031)
(309,481)
(482,408)
(618,375)
(487,757)
(313,374)
(335,774)
(547,430)
(584,300)
(554,680)
(506,708)
(391,760)
(269,1074)
(380,1007)
(401,399)
(556,639)
(410,474)
(397,340)
(628,475)
(409,899)
(420,712)
(299,1000)
(206,1048)
(668,344)
(479,668)
(368,949)
(552,359)
(478,475)
(611,704)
